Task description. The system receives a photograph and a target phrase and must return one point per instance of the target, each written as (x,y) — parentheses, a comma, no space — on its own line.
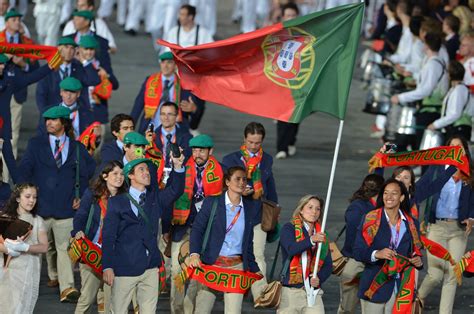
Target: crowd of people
(154,208)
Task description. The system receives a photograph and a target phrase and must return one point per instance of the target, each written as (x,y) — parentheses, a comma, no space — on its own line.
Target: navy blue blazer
(102,52)
(126,238)
(13,80)
(139,104)
(354,213)
(466,199)
(182,139)
(362,253)
(56,185)
(291,248)
(109,151)
(218,227)
(48,91)
(101,110)
(82,214)
(86,118)
(452,46)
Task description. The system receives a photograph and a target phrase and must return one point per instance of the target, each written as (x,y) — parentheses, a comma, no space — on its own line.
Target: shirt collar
(135,193)
(61,139)
(399,211)
(229,203)
(124,160)
(15,36)
(173,132)
(72,107)
(170,78)
(119,143)
(252,154)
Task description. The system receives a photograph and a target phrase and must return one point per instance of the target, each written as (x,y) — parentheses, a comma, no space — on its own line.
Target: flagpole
(313,292)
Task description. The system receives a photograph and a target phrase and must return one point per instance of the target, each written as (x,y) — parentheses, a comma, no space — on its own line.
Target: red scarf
(103,91)
(464,265)
(89,137)
(212,180)
(296,266)
(31,51)
(253,170)
(153,93)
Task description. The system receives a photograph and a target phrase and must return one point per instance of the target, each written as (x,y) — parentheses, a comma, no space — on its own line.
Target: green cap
(70,84)
(85,14)
(12,13)
(3,58)
(202,141)
(66,41)
(88,42)
(166,56)
(57,112)
(135,138)
(128,167)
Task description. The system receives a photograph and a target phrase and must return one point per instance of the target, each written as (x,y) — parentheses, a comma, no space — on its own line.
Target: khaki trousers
(453,238)
(146,286)
(259,241)
(61,231)
(90,285)
(293,301)
(348,293)
(378,308)
(176,297)
(205,299)
(16,110)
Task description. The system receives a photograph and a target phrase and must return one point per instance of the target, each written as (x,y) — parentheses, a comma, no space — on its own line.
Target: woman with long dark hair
(94,202)
(451,216)
(19,283)
(388,236)
(362,201)
(299,240)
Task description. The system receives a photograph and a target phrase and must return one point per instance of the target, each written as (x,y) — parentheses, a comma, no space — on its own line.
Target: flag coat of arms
(284,71)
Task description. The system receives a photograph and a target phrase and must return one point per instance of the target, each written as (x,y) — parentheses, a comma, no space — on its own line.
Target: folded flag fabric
(36,52)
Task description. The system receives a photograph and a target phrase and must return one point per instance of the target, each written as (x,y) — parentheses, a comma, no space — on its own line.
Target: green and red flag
(284,71)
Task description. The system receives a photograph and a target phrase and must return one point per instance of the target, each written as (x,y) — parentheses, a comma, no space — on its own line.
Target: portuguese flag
(285,71)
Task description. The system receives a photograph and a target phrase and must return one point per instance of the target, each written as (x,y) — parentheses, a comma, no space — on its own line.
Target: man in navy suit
(12,80)
(162,87)
(120,125)
(61,168)
(254,134)
(130,250)
(81,114)
(48,91)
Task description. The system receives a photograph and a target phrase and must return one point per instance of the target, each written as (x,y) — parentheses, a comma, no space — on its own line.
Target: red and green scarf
(86,251)
(153,153)
(212,185)
(436,249)
(253,170)
(29,50)
(296,266)
(443,155)
(218,278)
(103,91)
(153,93)
(89,137)
(464,265)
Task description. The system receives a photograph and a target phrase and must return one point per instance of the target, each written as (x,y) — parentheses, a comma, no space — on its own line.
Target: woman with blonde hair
(299,240)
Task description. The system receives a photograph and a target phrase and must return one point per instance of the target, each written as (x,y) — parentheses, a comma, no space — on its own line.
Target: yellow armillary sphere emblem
(289,57)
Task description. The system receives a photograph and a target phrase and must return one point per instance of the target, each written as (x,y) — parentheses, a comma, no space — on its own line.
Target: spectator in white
(47,14)
(455,119)
(98,25)
(107,6)
(188,33)
(207,16)
(466,50)
(431,88)
(402,53)
(3,10)
(136,12)
(66,11)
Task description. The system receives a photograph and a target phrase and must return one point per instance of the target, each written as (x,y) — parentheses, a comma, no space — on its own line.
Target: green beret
(66,41)
(3,58)
(12,13)
(57,112)
(202,141)
(85,14)
(135,138)
(166,56)
(128,167)
(88,41)
(70,84)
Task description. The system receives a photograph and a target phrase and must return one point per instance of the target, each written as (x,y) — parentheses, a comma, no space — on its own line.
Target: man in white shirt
(98,25)
(188,33)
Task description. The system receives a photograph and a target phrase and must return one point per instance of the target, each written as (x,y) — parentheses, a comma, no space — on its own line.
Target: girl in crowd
(94,202)
(231,243)
(386,233)
(451,217)
(19,283)
(299,240)
(361,202)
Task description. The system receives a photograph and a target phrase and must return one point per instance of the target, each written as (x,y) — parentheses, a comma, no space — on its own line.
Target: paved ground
(307,172)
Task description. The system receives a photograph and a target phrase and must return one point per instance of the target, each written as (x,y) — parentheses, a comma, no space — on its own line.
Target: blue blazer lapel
(221,219)
(46,154)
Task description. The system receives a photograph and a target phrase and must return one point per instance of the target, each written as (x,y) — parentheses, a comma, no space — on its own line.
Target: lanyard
(56,154)
(233,221)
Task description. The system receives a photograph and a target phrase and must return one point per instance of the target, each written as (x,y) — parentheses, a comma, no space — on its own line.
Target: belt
(228,261)
(447,219)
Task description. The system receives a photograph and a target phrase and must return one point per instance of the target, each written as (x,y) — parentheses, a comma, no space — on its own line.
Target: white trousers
(47,27)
